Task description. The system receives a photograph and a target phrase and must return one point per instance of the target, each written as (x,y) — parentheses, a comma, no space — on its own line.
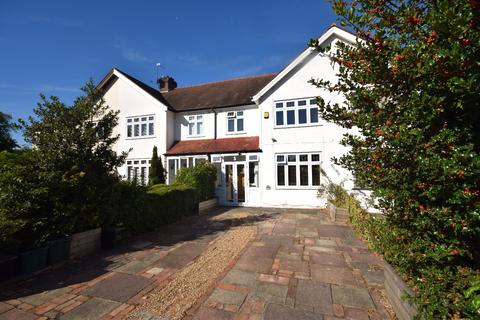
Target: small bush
(202,178)
(140,209)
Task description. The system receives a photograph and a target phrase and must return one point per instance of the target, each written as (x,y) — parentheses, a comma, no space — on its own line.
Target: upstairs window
(143,126)
(195,125)
(301,112)
(235,122)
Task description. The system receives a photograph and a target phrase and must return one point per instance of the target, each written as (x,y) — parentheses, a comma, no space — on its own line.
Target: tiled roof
(228,93)
(207,146)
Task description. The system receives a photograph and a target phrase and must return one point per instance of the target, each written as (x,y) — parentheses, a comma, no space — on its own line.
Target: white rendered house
(263,133)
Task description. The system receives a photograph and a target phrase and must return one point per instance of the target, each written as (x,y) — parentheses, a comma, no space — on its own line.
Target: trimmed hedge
(140,209)
(201,177)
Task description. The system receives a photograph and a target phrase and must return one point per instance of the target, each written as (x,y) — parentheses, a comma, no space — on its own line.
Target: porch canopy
(209,146)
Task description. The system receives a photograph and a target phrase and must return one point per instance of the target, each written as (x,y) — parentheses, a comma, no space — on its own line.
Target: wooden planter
(396,288)
(33,260)
(58,250)
(207,205)
(8,265)
(85,243)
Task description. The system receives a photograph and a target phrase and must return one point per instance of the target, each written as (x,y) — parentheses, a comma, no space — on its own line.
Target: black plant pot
(7,266)
(109,238)
(33,260)
(58,250)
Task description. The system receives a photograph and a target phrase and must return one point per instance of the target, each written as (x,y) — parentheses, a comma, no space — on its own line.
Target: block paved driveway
(300,265)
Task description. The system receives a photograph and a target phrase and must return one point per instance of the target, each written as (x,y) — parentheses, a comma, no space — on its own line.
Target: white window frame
(194,120)
(145,120)
(282,159)
(235,116)
(281,107)
(135,168)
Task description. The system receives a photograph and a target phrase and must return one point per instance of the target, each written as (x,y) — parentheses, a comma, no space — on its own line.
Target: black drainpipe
(215,124)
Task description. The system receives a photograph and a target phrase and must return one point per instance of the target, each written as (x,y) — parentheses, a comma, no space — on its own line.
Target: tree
(411,86)
(6,141)
(74,147)
(157,173)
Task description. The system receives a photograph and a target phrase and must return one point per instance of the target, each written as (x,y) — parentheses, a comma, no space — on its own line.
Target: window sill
(193,137)
(236,133)
(289,126)
(140,138)
(297,188)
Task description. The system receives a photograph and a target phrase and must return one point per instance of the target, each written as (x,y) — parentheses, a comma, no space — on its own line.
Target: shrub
(202,178)
(157,173)
(140,209)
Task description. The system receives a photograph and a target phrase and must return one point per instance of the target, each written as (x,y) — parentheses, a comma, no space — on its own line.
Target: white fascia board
(342,34)
(140,90)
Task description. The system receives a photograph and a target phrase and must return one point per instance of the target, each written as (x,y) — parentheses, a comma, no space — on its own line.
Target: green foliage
(201,177)
(24,201)
(411,88)
(140,209)
(157,173)
(6,140)
(334,193)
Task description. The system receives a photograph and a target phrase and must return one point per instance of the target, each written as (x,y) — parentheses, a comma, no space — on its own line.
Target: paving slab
(119,287)
(279,240)
(333,275)
(255,264)
(205,313)
(92,309)
(4,307)
(262,251)
(43,297)
(133,266)
(352,297)
(180,257)
(328,259)
(138,245)
(241,278)
(335,231)
(280,312)
(227,296)
(271,292)
(315,295)
(16,314)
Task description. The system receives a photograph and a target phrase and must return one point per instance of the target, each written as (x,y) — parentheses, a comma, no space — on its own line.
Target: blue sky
(53,47)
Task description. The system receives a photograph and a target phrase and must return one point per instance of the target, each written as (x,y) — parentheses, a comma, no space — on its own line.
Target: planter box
(395,289)
(207,205)
(7,266)
(33,260)
(58,250)
(85,243)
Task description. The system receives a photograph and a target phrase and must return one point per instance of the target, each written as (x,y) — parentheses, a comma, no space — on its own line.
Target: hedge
(437,283)
(201,177)
(140,209)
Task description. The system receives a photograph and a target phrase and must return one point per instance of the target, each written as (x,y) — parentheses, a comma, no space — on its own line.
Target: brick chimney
(166,84)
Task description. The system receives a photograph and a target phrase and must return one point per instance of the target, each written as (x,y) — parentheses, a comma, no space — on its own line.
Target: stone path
(299,266)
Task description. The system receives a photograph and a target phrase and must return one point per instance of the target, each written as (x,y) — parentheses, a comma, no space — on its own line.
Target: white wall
(323,138)
(130,100)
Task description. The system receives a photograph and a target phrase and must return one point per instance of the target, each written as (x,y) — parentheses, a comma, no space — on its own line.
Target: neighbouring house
(263,132)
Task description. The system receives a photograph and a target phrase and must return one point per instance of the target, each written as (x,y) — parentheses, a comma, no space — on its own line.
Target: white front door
(234,183)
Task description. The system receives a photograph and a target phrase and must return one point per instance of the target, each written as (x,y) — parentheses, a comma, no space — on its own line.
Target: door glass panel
(241,182)
(229,182)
